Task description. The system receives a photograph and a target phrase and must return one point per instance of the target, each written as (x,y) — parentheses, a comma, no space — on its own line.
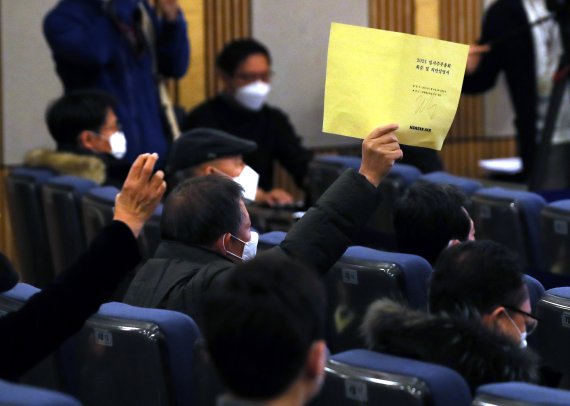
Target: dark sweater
(269,128)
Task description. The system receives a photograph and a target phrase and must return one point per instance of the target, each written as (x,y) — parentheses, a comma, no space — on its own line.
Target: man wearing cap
(206,151)
(206,230)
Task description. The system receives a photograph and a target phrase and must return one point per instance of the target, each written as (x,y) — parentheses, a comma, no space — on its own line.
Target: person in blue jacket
(123,47)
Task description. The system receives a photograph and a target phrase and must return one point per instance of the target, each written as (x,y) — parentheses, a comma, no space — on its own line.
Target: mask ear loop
(229,252)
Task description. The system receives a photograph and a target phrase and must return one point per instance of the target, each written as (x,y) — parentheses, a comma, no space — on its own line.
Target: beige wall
(296,32)
(28,78)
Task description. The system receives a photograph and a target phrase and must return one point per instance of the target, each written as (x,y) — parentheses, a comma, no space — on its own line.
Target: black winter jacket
(479,354)
(179,276)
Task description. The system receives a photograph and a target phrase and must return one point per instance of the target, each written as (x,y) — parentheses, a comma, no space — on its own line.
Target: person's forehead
(254,63)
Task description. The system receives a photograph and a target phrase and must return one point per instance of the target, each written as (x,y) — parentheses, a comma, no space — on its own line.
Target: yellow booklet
(377,77)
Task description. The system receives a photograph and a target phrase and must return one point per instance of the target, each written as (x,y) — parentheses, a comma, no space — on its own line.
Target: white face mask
(248,180)
(249,247)
(118,144)
(522,342)
(253,96)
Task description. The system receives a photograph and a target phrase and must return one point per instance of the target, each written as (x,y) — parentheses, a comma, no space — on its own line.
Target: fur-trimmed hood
(465,345)
(68,163)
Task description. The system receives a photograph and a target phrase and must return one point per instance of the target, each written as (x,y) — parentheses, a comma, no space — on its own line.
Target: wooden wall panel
(225,20)
(393,15)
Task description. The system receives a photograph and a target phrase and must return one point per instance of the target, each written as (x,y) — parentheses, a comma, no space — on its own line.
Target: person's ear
(86,139)
(493,319)
(453,242)
(316,360)
(221,244)
(208,170)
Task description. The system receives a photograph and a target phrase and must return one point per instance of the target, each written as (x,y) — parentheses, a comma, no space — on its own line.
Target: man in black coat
(206,230)
(509,46)
(478,322)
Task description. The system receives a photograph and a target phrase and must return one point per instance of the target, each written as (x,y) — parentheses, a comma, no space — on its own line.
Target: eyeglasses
(530,322)
(254,77)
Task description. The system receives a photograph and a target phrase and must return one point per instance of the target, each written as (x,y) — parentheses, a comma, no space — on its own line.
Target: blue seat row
(54,217)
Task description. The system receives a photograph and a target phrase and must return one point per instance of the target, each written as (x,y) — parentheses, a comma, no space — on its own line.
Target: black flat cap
(205,144)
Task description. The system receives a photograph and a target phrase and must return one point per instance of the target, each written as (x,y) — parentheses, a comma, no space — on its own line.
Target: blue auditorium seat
(362,276)
(535,293)
(127,355)
(28,223)
(324,170)
(553,330)
(270,240)
(13,394)
(64,219)
(520,394)
(555,233)
(97,206)
(511,217)
(362,377)
(466,185)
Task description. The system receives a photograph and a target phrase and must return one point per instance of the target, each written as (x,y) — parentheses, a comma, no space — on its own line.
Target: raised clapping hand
(379,152)
(141,193)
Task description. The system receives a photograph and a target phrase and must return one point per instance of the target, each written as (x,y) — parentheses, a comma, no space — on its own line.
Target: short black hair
(476,277)
(235,52)
(427,217)
(261,323)
(75,112)
(201,209)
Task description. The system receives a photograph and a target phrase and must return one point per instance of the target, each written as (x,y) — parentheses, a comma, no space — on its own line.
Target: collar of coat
(479,354)
(83,165)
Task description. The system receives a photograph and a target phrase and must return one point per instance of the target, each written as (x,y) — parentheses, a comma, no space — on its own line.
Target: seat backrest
(325,169)
(97,205)
(150,236)
(270,240)
(466,185)
(553,330)
(64,219)
(392,187)
(362,276)
(555,237)
(519,394)
(510,217)
(362,377)
(13,394)
(28,223)
(48,373)
(127,355)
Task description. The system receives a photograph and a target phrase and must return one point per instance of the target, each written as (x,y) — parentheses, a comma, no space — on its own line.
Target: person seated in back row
(429,218)
(478,321)
(205,151)
(240,109)
(264,330)
(206,230)
(88,137)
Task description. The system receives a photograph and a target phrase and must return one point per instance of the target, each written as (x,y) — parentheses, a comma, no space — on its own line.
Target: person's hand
(273,197)
(474,57)
(379,152)
(168,9)
(141,193)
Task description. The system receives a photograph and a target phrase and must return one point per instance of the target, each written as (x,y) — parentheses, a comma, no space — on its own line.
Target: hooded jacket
(103,169)
(479,354)
(91,50)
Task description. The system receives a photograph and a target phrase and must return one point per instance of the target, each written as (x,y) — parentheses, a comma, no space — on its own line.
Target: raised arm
(58,311)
